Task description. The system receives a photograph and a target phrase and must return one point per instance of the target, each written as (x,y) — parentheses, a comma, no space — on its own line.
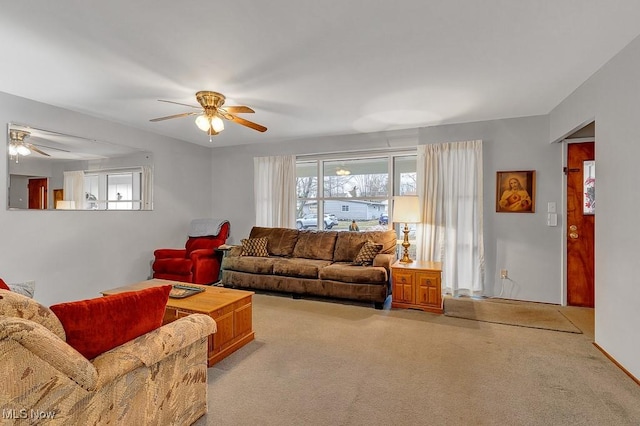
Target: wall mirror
(49,170)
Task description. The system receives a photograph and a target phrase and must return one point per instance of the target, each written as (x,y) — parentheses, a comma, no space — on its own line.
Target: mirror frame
(38,179)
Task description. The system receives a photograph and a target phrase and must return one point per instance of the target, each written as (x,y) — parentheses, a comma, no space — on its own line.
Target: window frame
(393,184)
(105,203)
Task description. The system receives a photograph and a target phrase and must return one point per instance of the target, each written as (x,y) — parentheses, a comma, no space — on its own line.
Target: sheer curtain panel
(275,191)
(450,192)
(73,188)
(147,188)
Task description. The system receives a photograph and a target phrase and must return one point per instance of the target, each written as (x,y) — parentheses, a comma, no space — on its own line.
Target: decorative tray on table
(180,291)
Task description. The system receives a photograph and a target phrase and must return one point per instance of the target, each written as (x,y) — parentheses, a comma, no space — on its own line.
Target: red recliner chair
(199,262)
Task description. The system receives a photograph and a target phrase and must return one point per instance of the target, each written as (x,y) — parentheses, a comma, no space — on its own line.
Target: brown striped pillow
(367,253)
(255,247)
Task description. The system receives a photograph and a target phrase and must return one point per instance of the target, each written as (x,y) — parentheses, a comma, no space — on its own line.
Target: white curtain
(275,191)
(450,192)
(146,190)
(73,188)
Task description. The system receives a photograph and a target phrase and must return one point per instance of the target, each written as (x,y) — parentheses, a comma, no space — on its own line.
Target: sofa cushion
(94,326)
(348,244)
(348,273)
(255,247)
(253,265)
(281,240)
(316,245)
(295,267)
(367,253)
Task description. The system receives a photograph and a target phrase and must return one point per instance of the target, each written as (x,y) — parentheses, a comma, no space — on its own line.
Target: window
(359,187)
(113,190)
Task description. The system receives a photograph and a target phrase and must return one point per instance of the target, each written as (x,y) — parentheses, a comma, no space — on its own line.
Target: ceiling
(309,68)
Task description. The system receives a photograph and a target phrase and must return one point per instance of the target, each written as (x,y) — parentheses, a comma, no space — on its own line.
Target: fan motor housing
(210,99)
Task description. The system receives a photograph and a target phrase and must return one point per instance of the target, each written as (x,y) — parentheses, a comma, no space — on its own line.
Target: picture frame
(516,191)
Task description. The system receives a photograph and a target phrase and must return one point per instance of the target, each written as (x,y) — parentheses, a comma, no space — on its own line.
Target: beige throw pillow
(255,247)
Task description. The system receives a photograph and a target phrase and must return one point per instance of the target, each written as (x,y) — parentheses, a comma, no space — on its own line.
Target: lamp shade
(406,209)
(65,205)
(217,124)
(23,150)
(203,122)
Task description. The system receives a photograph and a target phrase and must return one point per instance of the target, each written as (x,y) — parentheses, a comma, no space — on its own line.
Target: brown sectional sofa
(314,263)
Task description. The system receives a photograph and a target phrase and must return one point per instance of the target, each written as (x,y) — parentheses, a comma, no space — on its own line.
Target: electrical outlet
(504,274)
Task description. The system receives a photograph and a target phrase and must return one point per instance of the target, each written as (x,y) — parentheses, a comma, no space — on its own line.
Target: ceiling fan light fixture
(13,149)
(217,124)
(211,117)
(23,150)
(203,123)
(211,124)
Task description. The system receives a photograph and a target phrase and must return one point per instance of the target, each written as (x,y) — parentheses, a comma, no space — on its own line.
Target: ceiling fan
(212,112)
(18,146)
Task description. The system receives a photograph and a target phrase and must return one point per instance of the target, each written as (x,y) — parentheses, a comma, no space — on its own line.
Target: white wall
(522,243)
(612,97)
(74,254)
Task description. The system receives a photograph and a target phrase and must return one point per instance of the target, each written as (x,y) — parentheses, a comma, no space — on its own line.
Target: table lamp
(65,205)
(406,210)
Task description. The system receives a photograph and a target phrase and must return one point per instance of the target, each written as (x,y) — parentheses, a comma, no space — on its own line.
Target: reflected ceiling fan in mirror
(213,112)
(18,146)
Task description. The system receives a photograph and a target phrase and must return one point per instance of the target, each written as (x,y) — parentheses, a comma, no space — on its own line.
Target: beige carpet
(510,312)
(327,363)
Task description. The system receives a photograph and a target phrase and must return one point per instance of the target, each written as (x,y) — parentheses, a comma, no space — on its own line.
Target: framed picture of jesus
(516,191)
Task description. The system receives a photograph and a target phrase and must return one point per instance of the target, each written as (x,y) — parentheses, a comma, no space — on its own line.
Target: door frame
(565,160)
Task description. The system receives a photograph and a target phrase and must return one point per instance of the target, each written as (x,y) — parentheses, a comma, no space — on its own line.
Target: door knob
(573,228)
(573,235)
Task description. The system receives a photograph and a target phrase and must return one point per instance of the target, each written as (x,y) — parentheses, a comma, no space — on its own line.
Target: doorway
(580,222)
(38,193)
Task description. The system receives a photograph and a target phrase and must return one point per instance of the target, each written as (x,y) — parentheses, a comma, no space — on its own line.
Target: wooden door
(38,193)
(580,229)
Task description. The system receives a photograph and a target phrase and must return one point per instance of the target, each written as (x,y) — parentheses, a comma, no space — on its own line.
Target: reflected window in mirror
(116,189)
(66,172)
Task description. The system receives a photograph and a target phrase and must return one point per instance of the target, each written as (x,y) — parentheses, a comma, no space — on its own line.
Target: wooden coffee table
(231,309)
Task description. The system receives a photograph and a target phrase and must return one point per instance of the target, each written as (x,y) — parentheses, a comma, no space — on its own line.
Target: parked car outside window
(311,221)
(384,219)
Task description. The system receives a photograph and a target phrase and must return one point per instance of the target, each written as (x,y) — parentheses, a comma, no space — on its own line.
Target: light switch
(551,207)
(552,219)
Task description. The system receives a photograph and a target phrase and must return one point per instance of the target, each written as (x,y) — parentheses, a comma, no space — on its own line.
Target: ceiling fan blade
(184,114)
(237,109)
(251,124)
(178,103)
(47,147)
(34,149)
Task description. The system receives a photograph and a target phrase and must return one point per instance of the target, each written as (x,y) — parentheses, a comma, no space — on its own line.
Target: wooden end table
(417,285)
(231,309)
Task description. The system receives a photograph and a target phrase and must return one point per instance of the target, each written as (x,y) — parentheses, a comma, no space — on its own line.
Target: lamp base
(406,259)
(406,245)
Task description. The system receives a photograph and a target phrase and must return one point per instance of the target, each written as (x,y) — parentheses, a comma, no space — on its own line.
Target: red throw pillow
(94,326)
(4,285)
